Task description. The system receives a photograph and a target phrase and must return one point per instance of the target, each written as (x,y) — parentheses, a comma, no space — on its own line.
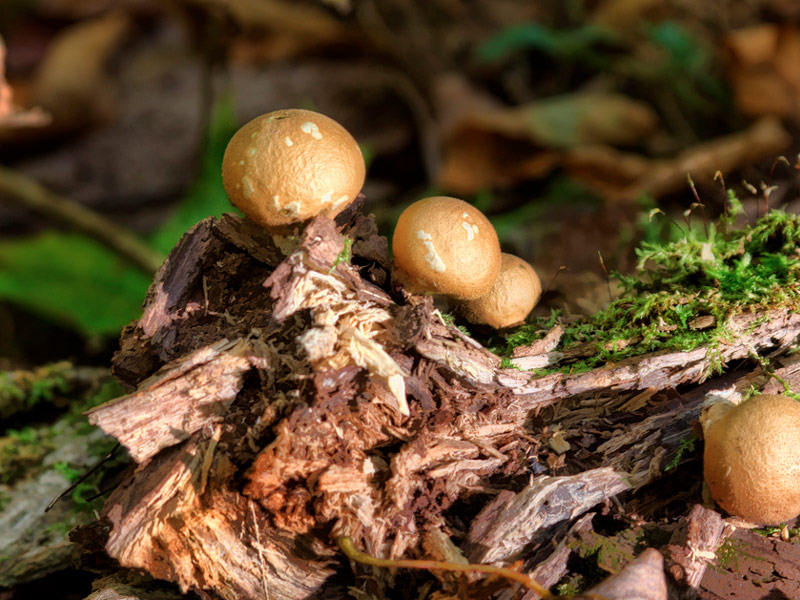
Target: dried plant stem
(29,194)
(349,549)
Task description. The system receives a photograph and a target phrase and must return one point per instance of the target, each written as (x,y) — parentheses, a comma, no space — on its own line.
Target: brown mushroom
(514,294)
(290,165)
(751,461)
(447,246)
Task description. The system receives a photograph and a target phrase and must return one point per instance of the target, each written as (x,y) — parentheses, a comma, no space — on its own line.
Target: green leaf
(72,280)
(579,43)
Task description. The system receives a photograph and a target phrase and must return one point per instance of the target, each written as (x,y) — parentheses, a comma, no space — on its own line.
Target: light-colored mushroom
(290,165)
(514,294)
(447,246)
(751,461)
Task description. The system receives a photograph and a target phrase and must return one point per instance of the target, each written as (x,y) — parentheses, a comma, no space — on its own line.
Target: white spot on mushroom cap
(276,202)
(247,187)
(433,259)
(465,215)
(241,163)
(252,151)
(326,198)
(292,208)
(340,200)
(311,128)
(288,141)
(470,232)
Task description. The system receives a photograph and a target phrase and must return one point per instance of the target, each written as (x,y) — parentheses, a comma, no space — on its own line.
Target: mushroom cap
(751,460)
(514,294)
(447,246)
(290,165)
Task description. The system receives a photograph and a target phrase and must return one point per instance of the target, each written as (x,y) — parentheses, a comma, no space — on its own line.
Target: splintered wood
(280,400)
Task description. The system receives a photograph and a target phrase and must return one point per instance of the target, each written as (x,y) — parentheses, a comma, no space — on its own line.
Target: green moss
(687,445)
(729,552)
(711,273)
(506,363)
(23,390)
(571,585)
(770,531)
(344,256)
(22,451)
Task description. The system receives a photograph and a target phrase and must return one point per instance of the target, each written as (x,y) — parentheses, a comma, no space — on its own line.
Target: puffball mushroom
(514,294)
(290,165)
(446,246)
(751,460)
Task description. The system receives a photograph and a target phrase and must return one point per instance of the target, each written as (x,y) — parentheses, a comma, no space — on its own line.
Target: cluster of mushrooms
(287,166)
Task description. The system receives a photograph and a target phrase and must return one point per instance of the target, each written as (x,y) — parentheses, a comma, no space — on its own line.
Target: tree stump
(279,401)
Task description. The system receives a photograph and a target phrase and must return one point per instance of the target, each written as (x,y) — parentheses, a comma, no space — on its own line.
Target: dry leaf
(763,68)
(623,16)
(12,118)
(279,29)
(642,579)
(72,83)
(623,177)
(486,145)
(6,108)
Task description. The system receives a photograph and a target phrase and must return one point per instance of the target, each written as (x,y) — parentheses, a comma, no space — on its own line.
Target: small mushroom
(514,294)
(446,246)
(290,165)
(751,461)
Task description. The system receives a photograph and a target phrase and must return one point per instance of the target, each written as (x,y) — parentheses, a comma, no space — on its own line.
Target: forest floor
(633,153)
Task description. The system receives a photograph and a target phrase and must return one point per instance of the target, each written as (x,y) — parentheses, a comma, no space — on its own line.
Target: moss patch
(684,293)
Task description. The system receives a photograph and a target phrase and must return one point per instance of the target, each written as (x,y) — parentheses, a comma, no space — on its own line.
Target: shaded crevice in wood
(253,461)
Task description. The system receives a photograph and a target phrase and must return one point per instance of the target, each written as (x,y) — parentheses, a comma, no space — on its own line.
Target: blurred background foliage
(565,121)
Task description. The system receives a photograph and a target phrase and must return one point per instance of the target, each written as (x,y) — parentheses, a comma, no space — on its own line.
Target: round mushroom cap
(447,246)
(751,461)
(514,294)
(290,165)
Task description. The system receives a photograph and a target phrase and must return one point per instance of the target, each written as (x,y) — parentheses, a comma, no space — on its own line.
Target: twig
(84,477)
(29,194)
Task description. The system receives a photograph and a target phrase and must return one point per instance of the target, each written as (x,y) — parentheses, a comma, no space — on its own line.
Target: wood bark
(281,400)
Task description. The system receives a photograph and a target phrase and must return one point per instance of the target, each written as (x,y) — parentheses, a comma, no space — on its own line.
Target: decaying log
(748,565)
(693,547)
(165,523)
(512,521)
(281,400)
(178,400)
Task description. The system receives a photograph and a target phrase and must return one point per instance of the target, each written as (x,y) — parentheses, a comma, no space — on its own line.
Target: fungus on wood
(265,423)
(281,398)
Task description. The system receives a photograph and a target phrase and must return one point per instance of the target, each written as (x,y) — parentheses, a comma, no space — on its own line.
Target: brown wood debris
(280,399)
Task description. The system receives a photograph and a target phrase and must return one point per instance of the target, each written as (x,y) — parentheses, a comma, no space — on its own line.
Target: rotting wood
(693,547)
(550,570)
(512,521)
(164,523)
(178,400)
(749,565)
(315,444)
